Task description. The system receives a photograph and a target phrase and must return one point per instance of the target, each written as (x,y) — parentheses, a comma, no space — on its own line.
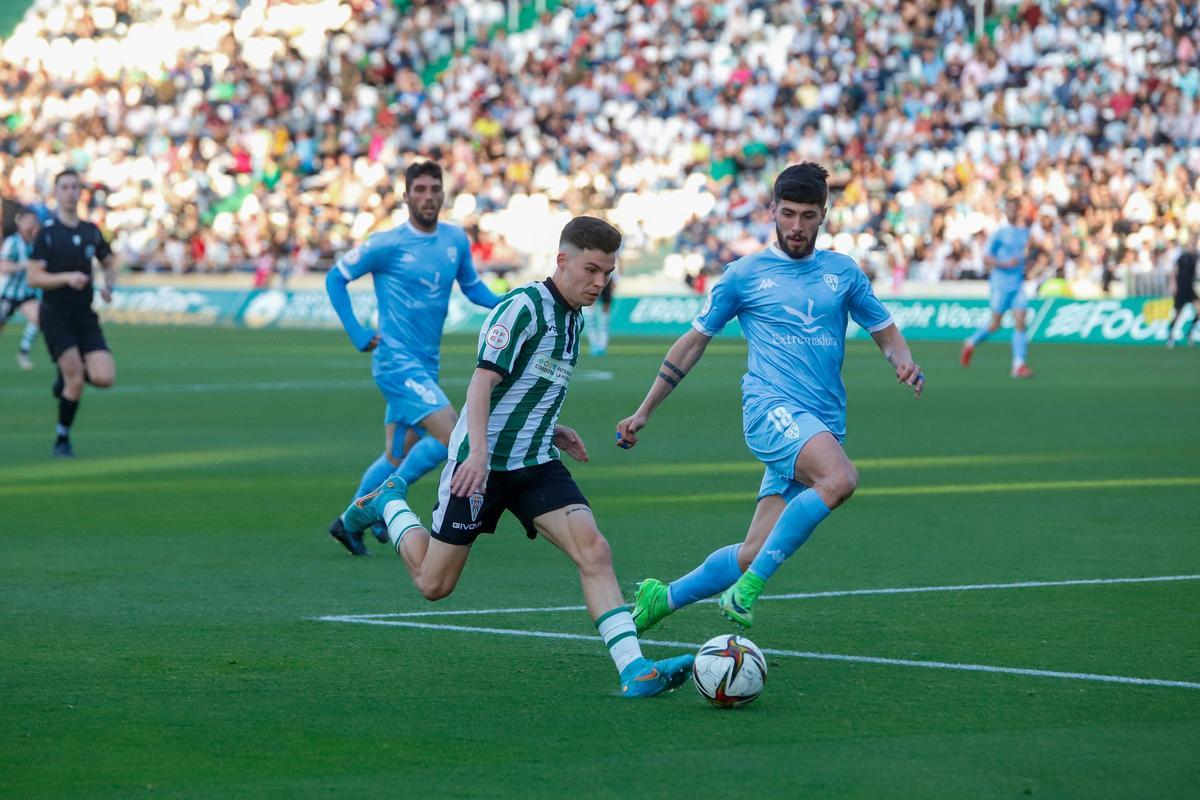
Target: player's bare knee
(435,589)
(837,488)
(595,554)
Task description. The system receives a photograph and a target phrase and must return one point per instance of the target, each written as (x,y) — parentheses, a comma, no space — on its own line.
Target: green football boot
(368,509)
(650,605)
(737,601)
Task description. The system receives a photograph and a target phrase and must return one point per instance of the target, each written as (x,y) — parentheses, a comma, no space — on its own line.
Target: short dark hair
(65,173)
(21,211)
(590,233)
(420,169)
(803,183)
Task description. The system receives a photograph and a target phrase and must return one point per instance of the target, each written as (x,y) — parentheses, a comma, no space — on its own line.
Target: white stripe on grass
(896,662)
(966,587)
(405,620)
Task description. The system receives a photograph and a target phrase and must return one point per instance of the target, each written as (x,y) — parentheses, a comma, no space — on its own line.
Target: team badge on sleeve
(497,336)
(353,257)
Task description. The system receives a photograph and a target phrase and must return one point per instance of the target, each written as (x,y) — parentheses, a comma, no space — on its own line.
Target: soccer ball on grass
(729,671)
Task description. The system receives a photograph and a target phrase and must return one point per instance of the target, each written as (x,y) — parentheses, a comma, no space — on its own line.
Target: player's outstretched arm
(682,356)
(892,344)
(471,476)
(363,339)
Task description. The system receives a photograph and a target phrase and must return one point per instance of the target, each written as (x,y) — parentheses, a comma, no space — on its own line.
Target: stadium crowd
(228,133)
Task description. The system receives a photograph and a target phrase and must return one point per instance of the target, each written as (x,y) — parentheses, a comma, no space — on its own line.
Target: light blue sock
(31,332)
(980,335)
(797,522)
(422,457)
(716,574)
(1020,346)
(376,474)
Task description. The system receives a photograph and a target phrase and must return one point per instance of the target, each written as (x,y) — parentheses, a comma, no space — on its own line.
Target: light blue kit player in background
(414,267)
(792,302)
(1005,258)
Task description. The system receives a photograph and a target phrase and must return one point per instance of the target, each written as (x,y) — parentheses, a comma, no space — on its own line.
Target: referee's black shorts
(528,492)
(71,327)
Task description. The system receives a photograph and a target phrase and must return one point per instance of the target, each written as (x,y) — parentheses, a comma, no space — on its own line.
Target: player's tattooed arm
(671,373)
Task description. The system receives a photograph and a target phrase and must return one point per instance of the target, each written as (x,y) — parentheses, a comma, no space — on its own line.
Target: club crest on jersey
(76,239)
(497,336)
(452,253)
(90,250)
(476,505)
(831,281)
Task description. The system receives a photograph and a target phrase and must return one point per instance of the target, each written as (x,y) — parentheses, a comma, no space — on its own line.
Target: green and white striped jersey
(532,339)
(13,286)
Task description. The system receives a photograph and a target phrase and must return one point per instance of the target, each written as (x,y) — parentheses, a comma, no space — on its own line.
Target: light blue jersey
(793,313)
(1007,283)
(413,273)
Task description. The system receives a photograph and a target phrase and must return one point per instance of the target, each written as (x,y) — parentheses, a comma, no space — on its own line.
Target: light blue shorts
(411,396)
(776,431)
(1008,293)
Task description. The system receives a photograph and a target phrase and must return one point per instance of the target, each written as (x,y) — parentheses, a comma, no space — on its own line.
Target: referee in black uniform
(61,266)
(1185,294)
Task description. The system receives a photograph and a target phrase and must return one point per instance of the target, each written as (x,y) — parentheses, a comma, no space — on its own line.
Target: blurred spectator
(215,135)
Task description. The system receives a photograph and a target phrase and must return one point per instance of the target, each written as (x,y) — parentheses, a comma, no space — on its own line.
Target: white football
(729,671)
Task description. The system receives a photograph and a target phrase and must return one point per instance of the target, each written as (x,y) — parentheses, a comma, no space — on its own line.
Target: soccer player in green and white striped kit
(504,455)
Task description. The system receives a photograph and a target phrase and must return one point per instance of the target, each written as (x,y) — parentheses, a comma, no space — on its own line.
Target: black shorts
(67,328)
(528,492)
(9,306)
(1182,299)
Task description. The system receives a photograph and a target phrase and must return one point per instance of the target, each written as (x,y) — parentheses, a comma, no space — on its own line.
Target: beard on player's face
(793,248)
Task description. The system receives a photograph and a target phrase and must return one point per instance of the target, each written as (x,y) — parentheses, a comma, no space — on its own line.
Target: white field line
(969,587)
(403,620)
(898,662)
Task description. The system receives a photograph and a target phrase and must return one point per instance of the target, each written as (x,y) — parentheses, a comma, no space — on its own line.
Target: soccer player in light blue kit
(792,302)
(414,267)
(1005,257)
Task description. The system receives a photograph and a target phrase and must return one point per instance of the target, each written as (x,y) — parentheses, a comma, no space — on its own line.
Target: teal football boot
(646,678)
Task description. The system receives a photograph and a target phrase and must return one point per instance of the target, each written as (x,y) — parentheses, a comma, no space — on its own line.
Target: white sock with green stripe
(620,636)
(400,520)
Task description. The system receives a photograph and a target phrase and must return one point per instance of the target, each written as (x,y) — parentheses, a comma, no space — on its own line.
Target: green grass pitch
(160,596)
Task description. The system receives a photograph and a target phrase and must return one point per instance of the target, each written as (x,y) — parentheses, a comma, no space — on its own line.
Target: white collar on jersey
(413,229)
(779,252)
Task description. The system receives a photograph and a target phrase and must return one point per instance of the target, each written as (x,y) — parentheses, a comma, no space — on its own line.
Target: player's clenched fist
(627,430)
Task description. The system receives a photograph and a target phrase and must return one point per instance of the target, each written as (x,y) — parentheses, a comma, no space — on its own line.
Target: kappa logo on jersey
(408,258)
(90,250)
(476,505)
(767,283)
(831,281)
(808,320)
(497,336)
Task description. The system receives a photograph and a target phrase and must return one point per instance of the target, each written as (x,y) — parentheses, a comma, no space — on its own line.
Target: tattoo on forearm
(668,378)
(679,374)
(573,509)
